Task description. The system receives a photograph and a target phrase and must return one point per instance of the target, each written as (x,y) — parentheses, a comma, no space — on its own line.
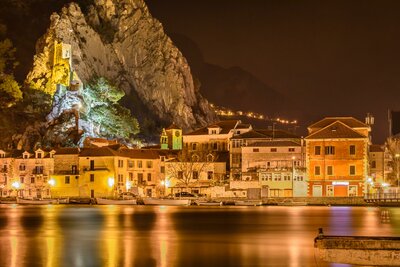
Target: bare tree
(393,146)
(186,167)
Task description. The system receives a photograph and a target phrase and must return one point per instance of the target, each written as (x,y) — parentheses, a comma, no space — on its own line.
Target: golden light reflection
(163,231)
(15,239)
(51,234)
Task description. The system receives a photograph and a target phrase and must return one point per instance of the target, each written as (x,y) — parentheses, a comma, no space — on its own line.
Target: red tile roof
(376,148)
(225,126)
(67,151)
(349,121)
(336,130)
(274,143)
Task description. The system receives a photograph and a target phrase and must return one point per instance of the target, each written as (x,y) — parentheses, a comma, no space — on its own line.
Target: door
(317,191)
(92,193)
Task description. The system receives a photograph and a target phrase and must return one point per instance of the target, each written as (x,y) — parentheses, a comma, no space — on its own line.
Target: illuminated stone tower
(171,138)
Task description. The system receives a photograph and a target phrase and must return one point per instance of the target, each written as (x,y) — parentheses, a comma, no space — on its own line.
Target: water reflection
(177,236)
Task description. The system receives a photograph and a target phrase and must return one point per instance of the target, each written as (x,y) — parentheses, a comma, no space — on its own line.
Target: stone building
(337,157)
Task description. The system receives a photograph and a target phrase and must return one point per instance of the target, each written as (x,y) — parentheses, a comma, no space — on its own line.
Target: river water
(114,236)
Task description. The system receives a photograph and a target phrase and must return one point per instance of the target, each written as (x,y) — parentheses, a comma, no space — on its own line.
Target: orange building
(337,157)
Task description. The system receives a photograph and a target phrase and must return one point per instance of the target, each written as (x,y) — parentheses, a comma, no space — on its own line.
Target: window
(162,169)
(352,170)
(329,150)
(140,178)
(22,180)
(195,175)
(39,155)
(131,176)
(139,164)
(39,170)
(373,164)
(149,177)
(209,175)
(329,170)
(180,174)
(291,149)
(215,146)
(194,146)
(32,180)
(22,167)
(149,164)
(213,131)
(67,180)
(352,190)
(25,156)
(120,163)
(74,169)
(352,150)
(92,165)
(210,158)
(131,164)
(162,158)
(256,150)
(91,177)
(317,170)
(273,149)
(268,164)
(317,150)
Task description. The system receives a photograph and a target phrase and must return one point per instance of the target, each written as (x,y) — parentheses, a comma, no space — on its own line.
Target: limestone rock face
(120,41)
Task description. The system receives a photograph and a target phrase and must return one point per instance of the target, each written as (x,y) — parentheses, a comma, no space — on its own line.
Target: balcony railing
(382,197)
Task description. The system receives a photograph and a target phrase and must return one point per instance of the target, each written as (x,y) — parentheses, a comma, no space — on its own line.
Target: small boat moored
(247,203)
(208,203)
(166,201)
(23,201)
(105,201)
(358,250)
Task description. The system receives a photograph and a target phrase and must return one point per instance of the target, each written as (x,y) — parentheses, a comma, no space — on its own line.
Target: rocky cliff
(120,41)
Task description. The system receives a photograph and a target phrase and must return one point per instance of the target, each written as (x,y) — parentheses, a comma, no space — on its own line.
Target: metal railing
(382,197)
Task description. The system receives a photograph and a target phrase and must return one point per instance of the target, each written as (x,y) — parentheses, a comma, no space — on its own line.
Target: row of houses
(225,159)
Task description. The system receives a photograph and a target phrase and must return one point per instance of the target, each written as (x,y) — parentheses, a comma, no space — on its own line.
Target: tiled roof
(140,153)
(376,148)
(225,126)
(274,144)
(349,121)
(265,133)
(67,151)
(98,152)
(172,126)
(335,130)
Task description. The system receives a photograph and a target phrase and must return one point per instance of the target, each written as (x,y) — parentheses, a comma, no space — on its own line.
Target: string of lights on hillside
(226,112)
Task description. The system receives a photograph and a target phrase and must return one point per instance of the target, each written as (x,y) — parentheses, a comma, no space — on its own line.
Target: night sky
(333,58)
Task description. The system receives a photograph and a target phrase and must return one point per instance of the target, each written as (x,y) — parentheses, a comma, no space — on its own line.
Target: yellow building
(97,172)
(66,173)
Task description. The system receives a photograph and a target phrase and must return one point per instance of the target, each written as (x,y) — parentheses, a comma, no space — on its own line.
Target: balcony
(97,168)
(65,172)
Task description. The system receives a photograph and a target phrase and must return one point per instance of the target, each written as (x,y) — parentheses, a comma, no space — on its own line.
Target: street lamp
(165,183)
(1,190)
(16,186)
(293,158)
(397,156)
(52,183)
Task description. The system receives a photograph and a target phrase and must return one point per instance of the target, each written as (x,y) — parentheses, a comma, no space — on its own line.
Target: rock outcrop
(120,41)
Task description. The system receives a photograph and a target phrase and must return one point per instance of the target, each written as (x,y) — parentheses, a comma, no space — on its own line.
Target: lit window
(329,150)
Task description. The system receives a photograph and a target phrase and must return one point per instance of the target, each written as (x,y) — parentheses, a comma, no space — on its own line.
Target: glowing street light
(128,185)
(111,182)
(16,185)
(52,182)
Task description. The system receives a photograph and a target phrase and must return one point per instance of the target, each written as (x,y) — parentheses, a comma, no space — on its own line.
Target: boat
(247,203)
(106,201)
(8,201)
(166,201)
(23,201)
(208,203)
(358,250)
(63,200)
(290,202)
